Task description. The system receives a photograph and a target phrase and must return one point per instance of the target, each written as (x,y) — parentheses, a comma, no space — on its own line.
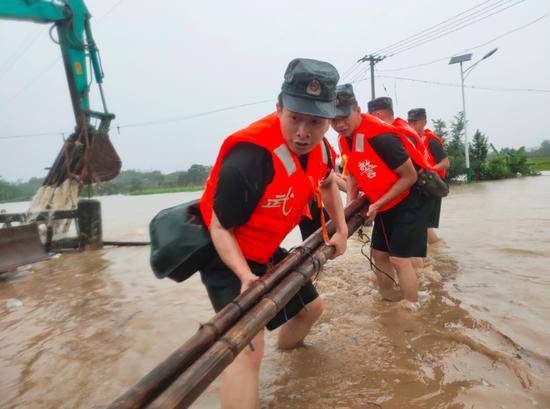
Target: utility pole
(372,59)
(466,145)
(461,58)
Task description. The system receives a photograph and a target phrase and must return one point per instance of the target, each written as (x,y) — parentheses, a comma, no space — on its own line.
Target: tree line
(128,182)
(19,191)
(542,151)
(486,162)
(135,181)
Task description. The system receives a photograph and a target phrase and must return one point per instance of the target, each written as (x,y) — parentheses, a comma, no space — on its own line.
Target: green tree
(479,149)
(485,165)
(19,191)
(455,147)
(516,159)
(440,129)
(496,168)
(136,184)
(540,152)
(8,191)
(197,174)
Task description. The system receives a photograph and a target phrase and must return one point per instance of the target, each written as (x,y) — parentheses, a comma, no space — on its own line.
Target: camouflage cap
(416,114)
(345,100)
(380,103)
(310,87)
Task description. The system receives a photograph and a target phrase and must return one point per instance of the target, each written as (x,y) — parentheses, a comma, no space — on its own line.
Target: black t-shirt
(412,140)
(389,147)
(437,150)
(244,175)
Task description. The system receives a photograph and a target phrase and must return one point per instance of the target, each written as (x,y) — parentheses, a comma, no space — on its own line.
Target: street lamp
(462,58)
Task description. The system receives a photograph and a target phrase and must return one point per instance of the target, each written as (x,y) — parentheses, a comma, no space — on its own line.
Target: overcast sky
(168,59)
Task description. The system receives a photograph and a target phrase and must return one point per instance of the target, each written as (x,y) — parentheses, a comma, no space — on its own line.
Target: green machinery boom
(88,155)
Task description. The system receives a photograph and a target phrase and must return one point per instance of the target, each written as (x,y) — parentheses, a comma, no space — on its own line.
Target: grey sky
(167,59)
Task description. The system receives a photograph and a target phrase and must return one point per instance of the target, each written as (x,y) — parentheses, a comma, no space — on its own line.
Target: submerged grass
(540,163)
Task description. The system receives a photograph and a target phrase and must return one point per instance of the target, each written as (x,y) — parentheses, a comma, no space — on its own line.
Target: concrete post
(89,224)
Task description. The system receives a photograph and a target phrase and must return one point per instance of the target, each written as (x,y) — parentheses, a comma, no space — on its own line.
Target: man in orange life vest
(419,156)
(421,161)
(437,158)
(257,192)
(380,167)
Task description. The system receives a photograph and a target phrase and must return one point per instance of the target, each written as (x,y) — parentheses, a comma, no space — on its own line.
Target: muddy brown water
(78,330)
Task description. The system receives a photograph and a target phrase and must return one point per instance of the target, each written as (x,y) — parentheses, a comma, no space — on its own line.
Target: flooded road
(87,326)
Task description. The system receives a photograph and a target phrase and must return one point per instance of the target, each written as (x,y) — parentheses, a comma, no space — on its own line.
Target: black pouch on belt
(431,184)
(180,242)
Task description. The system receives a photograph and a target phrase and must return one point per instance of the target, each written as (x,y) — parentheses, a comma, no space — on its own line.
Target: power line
(187,117)
(360,74)
(29,135)
(422,64)
(360,80)
(31,82)
(450,31)
(433,33)
(150,123)
(232,107)
(354,67)
(350,70)
(469,49)
(450,84)
(49,66)
(24,46)
(111,9)
(382,50)
(447,27)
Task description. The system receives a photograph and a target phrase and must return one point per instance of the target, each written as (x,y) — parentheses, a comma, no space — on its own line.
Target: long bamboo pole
(160,377)
(190,384)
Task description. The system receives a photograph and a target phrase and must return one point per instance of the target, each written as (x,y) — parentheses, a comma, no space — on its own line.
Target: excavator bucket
(87,157)
(104,162)
(20,245)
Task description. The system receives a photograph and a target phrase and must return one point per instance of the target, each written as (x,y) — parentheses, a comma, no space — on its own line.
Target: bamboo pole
(125,243)
(160,377)
(189,385)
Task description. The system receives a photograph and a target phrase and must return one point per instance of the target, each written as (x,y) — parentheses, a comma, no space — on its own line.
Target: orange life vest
(419,154)
(373,176)
(285,199)
(428,134)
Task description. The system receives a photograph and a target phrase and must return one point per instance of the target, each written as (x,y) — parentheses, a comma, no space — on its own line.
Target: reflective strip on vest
(360,143)
(284,155)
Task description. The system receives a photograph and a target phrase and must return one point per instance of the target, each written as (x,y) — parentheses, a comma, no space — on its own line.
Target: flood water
(78,330)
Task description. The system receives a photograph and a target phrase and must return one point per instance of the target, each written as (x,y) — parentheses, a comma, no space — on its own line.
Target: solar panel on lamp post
(460,59)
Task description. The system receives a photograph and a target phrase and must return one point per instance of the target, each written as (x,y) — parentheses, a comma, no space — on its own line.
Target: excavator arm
(87,156)
(37,11)
(71,20)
